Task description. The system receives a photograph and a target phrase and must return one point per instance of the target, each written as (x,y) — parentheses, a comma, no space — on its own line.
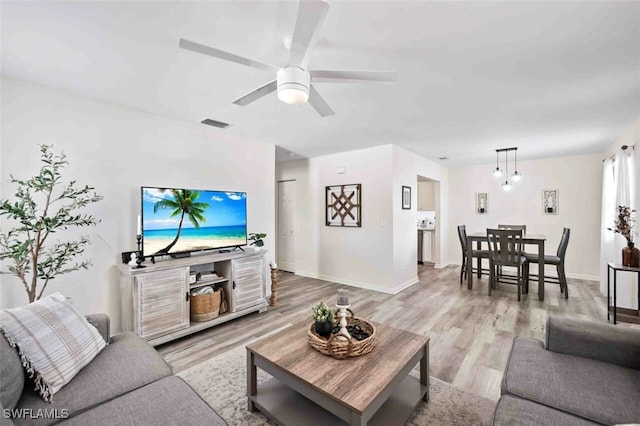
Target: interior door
(286,233)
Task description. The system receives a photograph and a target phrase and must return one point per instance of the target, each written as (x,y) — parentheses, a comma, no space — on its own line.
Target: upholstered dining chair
(476,254)
(505,249)
(557,260)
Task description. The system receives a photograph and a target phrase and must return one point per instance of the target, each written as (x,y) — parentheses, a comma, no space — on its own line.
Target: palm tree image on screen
(184,203)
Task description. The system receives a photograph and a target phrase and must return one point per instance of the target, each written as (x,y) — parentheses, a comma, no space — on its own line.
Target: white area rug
(221,381)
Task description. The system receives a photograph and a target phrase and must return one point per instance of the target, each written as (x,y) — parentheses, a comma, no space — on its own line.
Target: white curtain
(607,241)
(622,178)
(618,189)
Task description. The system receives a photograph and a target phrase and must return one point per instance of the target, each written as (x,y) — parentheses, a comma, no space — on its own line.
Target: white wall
(406,168)
(117,150)
(382,255)
(355,256)
(627,283)
(578,179)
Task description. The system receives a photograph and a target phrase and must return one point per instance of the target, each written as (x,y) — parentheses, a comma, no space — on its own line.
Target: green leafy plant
(44,206)
(322,313)
(256,239)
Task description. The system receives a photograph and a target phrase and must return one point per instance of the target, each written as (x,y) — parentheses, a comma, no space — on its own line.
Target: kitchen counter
(421,228)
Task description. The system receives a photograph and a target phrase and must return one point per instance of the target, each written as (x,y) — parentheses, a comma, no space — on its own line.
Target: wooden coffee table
(309,388)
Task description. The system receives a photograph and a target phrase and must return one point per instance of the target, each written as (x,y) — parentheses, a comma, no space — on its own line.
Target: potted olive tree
(33,240)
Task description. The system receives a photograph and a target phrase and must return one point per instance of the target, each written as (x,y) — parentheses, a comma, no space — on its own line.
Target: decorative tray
(339,346)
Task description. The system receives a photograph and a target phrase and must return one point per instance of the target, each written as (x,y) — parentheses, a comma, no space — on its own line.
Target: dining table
(527,239)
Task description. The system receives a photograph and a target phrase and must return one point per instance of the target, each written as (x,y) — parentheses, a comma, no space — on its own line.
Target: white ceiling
(552,78)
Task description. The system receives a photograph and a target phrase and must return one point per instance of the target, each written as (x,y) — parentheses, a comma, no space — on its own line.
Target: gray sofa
(127,383)
(586,373)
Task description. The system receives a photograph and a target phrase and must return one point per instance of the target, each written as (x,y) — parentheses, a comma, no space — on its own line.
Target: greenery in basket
(45,206)
(256,239)
(322,313)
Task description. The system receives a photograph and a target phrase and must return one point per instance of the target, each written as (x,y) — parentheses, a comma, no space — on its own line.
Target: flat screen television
(176,220)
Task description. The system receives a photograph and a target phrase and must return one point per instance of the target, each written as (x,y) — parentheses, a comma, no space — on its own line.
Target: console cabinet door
(162,305)
(248,282)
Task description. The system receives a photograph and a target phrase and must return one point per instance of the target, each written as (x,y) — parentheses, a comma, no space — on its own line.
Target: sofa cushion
(11,375)
(4,420)
(518,411)
(169,401)
(598,391)
(126,364)
(53,339)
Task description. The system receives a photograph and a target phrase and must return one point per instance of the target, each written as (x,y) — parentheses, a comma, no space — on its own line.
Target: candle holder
(343,320)
(139,258)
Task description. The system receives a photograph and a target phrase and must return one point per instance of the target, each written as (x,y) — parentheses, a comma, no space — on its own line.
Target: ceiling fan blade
(221,54)
(319,104)
(254,95)
(311,14)
(339,76)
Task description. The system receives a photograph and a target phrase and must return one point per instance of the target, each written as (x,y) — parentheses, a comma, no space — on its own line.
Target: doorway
(286,225)
(428,221)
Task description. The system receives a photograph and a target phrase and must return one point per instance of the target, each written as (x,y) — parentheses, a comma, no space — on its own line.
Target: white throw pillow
(53,339)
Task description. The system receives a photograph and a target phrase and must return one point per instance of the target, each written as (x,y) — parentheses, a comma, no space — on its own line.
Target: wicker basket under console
(205,307)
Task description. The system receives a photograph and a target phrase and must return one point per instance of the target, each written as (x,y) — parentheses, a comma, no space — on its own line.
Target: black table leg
(608,291)
(615,302)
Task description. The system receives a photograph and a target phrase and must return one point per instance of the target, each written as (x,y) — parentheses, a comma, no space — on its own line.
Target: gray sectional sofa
(127,383)
(586,373)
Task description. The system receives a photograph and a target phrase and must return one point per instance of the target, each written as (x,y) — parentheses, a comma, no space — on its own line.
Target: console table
(155,300)
(618,267)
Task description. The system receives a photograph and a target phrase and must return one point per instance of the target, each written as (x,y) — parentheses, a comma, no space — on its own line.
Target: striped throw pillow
(54,341)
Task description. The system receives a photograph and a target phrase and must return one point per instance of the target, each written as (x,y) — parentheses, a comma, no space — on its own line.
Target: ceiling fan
(293,82)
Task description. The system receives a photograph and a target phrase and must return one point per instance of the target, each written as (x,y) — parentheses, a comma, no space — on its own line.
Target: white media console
(155,299)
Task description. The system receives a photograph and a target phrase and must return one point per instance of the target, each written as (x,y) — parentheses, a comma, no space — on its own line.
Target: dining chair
(476,254)
(516,227)
(557,260)
(505,249)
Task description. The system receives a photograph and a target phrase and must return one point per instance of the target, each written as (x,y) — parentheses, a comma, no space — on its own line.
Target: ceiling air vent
(214,123)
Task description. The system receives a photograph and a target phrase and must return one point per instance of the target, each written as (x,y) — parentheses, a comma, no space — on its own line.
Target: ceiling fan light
(293,85)
(293,96)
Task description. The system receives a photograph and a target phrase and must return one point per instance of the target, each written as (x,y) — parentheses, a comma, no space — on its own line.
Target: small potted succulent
(323,317)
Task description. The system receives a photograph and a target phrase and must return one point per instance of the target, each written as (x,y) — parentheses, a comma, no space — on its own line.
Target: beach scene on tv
(180,220)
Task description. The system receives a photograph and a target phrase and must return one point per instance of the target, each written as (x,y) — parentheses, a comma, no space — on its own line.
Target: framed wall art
(482,206)
(550,201)
(406,198)
(343,205)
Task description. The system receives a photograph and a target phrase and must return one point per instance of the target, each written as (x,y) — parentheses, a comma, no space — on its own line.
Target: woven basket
(205,307)
(338,346)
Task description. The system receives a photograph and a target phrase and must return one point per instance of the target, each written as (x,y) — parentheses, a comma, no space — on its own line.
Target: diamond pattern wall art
(343,205)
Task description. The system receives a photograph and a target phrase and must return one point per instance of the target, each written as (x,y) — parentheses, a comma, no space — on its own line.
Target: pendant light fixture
(506,185)
(516,176)
(497,172)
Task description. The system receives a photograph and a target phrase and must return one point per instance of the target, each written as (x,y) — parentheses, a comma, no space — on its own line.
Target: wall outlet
(383,222)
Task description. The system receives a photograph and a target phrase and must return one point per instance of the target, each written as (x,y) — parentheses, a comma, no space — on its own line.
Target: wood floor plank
(471,332)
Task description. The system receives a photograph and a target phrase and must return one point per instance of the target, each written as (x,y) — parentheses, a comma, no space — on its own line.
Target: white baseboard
(359,284)
(397,289)
(583,276)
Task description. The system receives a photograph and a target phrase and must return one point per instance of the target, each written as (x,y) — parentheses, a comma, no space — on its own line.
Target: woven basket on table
(338,346)
(205,307)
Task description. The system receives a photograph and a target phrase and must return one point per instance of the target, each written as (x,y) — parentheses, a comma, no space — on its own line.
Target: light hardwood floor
(471,332)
